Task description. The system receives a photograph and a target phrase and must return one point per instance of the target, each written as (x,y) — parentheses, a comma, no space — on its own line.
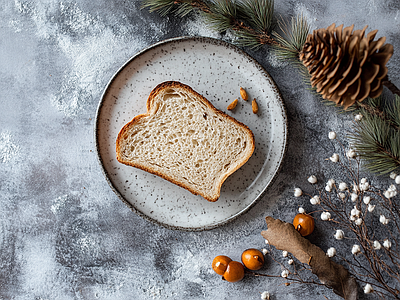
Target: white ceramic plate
(216,70)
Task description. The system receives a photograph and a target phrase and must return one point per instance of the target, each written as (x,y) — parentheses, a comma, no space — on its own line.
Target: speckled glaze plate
(216,70)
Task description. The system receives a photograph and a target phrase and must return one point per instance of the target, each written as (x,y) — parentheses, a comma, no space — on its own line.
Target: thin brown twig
(293,280)
(201,5)
(394,89)
(264,38)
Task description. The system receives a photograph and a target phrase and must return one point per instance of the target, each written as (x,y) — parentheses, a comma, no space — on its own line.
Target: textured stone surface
(63,233)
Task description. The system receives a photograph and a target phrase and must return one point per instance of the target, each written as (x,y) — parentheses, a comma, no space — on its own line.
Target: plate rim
(214,41)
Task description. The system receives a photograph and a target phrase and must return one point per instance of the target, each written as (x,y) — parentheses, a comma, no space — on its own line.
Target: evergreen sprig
(180,8)
(292,38)
(258,14)
(376,137)
(250,21)
(258,19)
(289,43)
(223,15)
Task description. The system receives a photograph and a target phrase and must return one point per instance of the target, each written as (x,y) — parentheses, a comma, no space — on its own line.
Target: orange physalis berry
(253,259)
(304,224)
(234,272)
(220,264)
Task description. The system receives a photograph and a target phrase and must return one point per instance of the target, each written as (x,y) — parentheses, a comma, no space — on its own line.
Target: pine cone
(346,66)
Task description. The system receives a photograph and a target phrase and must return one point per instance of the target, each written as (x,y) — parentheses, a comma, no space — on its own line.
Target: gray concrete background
(63,233)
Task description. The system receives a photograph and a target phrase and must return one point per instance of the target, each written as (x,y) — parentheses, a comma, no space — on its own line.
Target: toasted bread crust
(149,105)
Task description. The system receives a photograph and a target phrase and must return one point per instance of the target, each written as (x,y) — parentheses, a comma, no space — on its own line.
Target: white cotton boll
(285,253)
(363,180)
(387,244)
(315,200)
(312,179)
(301,210)
(391,192)
(331,252)
(353,217)
(342,186)
(266,242)
(339,234)
(329,185)
(350,153)
(364,186)
(354,197)
(332,135)
(383,220)
(355,211)
(393,175)
(367,199)
(334,158)
(356,249)
(264,251)
(325,216)
(358,117)
(377,245)
(342,195)
(371,207)
(356,189)
(368,289)
(358,221)
(265,295)
(397,179)
(290,261)
(387,194)
(285,273)
(298,192)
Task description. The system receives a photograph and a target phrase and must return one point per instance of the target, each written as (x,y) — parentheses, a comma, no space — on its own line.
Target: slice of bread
(184,139)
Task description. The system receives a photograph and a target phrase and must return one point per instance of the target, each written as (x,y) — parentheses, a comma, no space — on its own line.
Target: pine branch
(294,35)
(178,7)
(394,113)
(249,20)
(223,15)
(258,15)
(387,112)
(376,137)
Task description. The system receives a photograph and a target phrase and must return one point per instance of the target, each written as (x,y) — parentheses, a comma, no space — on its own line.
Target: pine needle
(292,39)
(394,111)
(257,18)
(222,15)
(258,14)
(247,39)
(163,7)
(178,7)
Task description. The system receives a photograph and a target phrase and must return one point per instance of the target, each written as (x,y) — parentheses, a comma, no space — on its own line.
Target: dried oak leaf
(283,236)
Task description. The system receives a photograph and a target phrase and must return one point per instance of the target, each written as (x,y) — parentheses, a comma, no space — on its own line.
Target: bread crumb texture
(184,139)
